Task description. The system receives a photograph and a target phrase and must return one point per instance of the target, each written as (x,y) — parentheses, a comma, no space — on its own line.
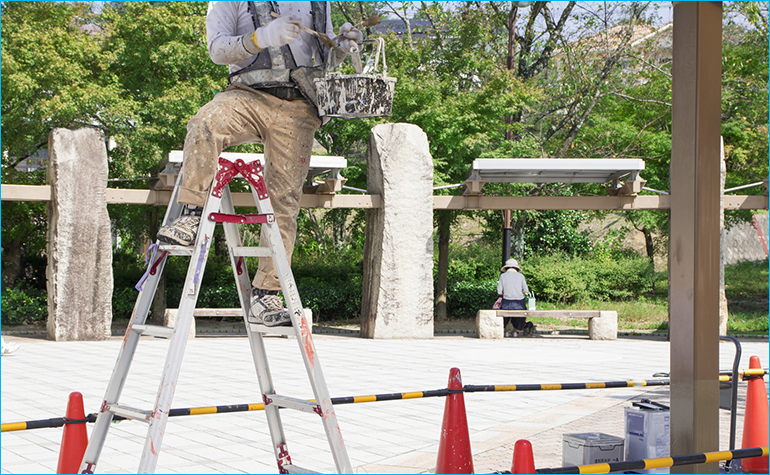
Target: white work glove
(349,37)
(279,32)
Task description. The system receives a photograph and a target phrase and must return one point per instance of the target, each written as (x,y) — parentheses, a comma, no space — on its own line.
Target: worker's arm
(231,35)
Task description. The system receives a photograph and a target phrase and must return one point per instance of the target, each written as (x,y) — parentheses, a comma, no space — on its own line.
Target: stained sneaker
(182,231)
(529,329)
(267,309)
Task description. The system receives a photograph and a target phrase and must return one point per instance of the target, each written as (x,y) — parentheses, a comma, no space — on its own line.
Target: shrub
(23,305)
(465,298)
(331,299)
(471,262)
(559,279)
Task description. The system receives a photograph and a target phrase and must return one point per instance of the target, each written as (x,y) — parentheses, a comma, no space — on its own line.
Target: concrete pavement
(381,437)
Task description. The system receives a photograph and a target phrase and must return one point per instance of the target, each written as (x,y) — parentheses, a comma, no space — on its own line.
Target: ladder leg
(256,342)
(304,339)
(179,339)
(122,366)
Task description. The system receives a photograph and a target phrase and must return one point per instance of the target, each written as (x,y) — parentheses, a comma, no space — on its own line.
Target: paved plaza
(381,437)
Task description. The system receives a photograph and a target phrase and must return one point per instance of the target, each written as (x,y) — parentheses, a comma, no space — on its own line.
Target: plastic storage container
(591,447)
(648,432)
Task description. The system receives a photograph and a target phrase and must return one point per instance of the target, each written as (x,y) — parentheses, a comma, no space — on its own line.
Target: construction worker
(263,44)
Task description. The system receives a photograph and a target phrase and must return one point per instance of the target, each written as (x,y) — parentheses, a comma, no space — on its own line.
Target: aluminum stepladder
(219,209)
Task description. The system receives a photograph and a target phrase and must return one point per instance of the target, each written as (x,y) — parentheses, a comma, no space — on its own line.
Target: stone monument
(79,269)
(397,300)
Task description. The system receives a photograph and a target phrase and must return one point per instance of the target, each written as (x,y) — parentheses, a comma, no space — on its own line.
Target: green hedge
(332,287)
(558,279)
(23,305)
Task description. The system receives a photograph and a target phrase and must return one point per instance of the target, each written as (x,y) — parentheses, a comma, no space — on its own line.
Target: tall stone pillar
(79,245)
(397,299)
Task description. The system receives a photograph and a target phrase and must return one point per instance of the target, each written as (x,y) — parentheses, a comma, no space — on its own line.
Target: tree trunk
(511,59)
(517,236)
(13,263)
(443,264)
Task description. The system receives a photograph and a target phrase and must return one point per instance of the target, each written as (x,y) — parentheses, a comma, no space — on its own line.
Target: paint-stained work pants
(243,115)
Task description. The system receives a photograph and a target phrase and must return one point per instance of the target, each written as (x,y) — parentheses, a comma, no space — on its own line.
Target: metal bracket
(267,218)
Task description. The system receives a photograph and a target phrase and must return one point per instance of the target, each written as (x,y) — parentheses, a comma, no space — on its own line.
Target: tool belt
(281,92)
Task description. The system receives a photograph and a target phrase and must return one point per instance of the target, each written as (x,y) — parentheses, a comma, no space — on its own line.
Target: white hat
(511,263)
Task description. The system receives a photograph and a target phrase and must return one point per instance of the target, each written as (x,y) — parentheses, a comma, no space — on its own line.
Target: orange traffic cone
(454,450)
(523,459)
(755,421)
(75,437)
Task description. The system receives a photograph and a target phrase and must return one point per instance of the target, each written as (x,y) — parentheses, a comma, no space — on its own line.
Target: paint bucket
(357,96)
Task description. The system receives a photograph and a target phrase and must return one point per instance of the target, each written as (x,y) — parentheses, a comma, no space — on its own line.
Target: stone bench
(169,317)
(602,325)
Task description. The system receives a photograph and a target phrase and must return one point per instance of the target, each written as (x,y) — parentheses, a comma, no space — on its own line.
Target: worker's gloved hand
(279,32)
(349,37)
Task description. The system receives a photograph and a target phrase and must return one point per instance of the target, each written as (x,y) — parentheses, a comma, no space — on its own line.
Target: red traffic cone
(523,459)
(75,437)
(454,450)
(755,421)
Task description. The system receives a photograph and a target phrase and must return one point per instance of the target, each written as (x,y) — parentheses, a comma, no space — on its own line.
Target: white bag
(531,301)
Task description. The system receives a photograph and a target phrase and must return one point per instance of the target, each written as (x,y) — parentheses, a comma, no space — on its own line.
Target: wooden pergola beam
(620,203)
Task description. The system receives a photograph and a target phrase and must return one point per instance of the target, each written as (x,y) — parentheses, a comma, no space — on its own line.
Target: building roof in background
(611,38)
(418,26)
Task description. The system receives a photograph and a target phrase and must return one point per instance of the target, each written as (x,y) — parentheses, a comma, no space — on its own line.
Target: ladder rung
(131,413)
(177,250)
(294,469)
(255,251)
(153,330)
(271,330)
(294,403)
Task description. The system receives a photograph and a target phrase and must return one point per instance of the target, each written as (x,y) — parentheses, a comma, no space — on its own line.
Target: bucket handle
(380,50)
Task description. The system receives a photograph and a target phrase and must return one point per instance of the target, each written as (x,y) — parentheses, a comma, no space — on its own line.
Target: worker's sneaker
(267,309)
(529,329)
(182,231)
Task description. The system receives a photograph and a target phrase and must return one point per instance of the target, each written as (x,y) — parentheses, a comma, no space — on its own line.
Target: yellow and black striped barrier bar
(469,388)
(660,462)
(743,374)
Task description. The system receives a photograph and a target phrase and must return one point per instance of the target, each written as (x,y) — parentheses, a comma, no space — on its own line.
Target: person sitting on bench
(512,287)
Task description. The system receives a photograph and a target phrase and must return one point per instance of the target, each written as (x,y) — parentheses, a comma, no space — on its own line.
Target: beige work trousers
(243,115)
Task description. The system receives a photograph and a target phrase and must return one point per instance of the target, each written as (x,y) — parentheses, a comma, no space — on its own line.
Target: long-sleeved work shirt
(227,22)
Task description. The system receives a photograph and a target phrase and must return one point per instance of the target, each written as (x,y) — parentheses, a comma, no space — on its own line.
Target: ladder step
(254,251)
(131,413)
(271,330)
(177,250)
(294,469)
(153,330)
(293,403)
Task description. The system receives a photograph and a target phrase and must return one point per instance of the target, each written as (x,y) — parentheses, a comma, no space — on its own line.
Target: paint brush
(324,38)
